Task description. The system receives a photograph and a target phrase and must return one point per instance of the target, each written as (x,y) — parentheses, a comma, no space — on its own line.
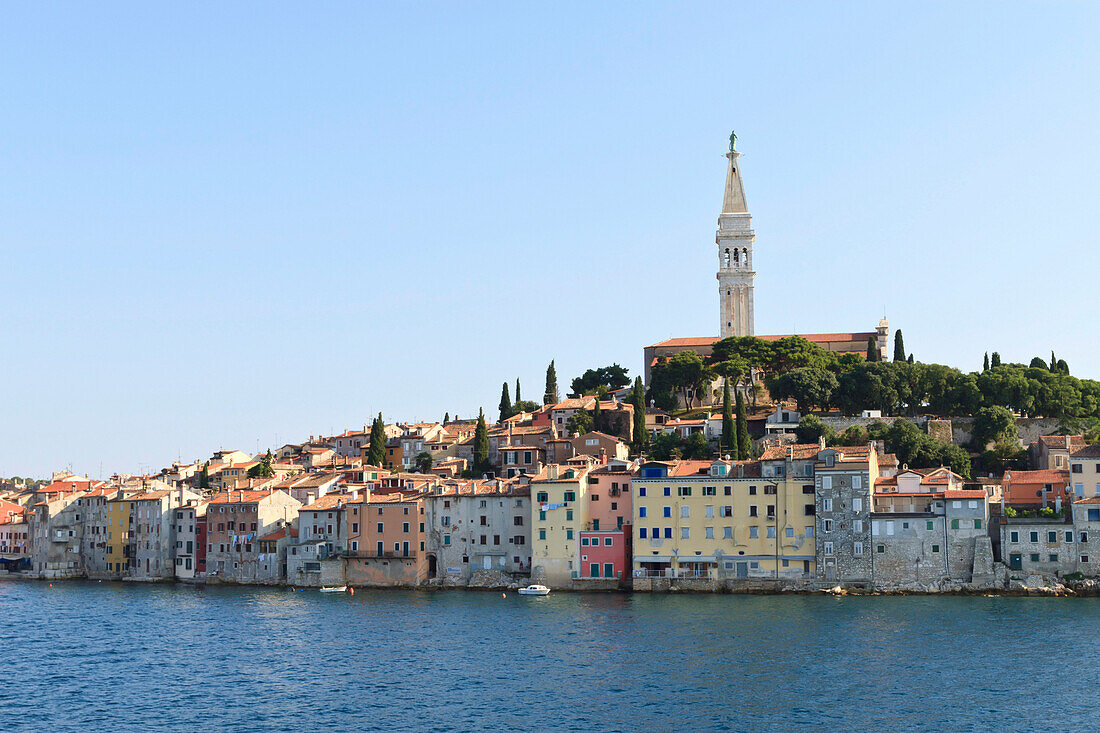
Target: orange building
(386,540)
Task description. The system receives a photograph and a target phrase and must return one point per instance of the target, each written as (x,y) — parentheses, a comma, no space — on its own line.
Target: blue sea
(106,657)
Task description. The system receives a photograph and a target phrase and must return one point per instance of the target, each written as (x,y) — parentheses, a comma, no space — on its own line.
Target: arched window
(745,254)
(726,258)
(736,257)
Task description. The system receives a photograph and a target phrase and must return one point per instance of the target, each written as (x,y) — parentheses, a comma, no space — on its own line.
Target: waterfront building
(843,478)
(724,519)
(1045,545)
(610,505)
(478,525)
(56,531)
(322,533)
(559,512)
(604,556)
(926,527)
(235,521)
(94,506)
(386,539)
(189,551)
(152,531)
(14,533)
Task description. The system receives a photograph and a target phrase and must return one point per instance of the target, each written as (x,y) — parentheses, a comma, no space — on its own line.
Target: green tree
(810,387)
(423,462)
(446,418)
(666,446)
(262,469)
(744,442)
(910,359)
(729,428)
(641,435)
(598,422)
(985,362)
(1053,361)
(481,464)
(684,372)
(697,448)
(995,360)
(899,346)
(376,453)
(854,435)
(609,378)
(518,398)
(580,423)
(996,426)
(811,429)
(550,396)
(204,477)
(505,403)
(872,349)
(1038,363)
(524,406)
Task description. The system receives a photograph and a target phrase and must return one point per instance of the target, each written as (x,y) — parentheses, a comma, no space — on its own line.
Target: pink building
(604,554)
(609,500)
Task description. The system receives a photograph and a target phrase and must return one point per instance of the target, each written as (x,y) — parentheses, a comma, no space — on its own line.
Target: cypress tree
(899,346)
(597,417)
(872,349)
(550,396)
(446,418)
(729,429)
(985,363)
(505,403)
(204,476)
(744,443)
(518,398)
(1053,362)
(638,399)
(481,446)
(995,360)
(376,454)
(910,358)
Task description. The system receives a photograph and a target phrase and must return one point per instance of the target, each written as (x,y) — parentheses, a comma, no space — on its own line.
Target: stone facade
(843,483)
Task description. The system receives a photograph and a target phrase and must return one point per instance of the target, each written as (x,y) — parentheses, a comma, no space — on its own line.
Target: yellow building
(118,536)
(724,519)
(559,512)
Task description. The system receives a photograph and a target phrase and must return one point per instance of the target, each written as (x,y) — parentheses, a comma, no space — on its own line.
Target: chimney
(1067,442)
(552,472)
(354,495)
(603,456)
(821,442)
(309,499)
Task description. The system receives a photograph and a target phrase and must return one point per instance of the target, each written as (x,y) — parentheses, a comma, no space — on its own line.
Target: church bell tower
(734,239)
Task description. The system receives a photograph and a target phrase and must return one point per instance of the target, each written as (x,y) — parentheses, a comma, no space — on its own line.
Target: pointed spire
(734,200)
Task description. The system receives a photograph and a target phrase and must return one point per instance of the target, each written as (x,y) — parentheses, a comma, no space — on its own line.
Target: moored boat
(534,590)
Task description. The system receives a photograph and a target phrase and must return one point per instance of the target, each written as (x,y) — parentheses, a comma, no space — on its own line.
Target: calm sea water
(104,656)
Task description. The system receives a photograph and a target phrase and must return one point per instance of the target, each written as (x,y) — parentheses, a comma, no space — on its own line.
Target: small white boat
(534,590)
(334,589)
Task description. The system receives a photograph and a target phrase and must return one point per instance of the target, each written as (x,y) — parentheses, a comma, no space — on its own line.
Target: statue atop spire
(733,142)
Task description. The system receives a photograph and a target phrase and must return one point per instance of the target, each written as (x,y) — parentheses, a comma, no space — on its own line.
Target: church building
(736,277)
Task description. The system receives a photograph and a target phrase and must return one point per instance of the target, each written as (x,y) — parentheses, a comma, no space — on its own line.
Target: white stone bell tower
(734,239)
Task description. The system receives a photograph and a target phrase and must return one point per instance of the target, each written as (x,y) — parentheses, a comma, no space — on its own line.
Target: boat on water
(534,590)
(334,589)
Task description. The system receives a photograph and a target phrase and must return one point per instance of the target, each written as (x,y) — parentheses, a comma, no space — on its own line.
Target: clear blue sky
(231,226)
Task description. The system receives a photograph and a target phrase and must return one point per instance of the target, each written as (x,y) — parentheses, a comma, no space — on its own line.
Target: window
(880,549)
(568,534)
(754,532)
(1076,468)
(1013,536)
(709,490)
(608,570)
(542,497)
(607,542)
(685,533)
(827,505)
(584,542)
(641,512)
(708,532)
(668,491)
(827,482)
(685,511)
(1069,536)
(683,491)
(641,533)
(954,524)
(641,491)
(857,525)
(1083,537)
(569,515)
(570,496)
(727,533)
(1034,557)
(727,491)
(935,548)
(771,532)
(808,489)
(542,534)
(808,510)
(667,511)
(753,512)
(827,548)
(668,533)
(857,504)
(1054,557)
(1052,536)
(1034,536)
(708,510)
(517,521)
(752,491)
(857,483)
(446,540)
(857,549)
(405,527)
(1084,558)
(826,525)
(809,532)
(977,524)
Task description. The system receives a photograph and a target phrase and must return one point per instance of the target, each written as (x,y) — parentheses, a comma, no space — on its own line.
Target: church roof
(817,338)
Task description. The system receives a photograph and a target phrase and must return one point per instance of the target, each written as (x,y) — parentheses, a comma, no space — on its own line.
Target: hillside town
(736,462)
